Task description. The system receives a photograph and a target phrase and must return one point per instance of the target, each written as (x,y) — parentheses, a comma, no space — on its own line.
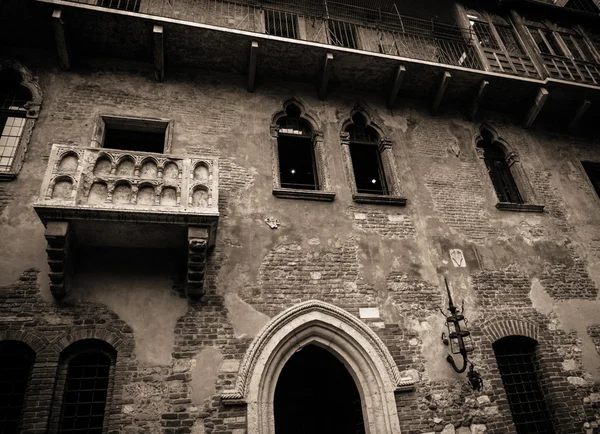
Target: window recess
(124,5)
(133,134)
(516,360)
(592,171)
(501,44)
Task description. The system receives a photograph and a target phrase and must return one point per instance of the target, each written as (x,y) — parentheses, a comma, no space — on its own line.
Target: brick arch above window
(36,343)
(488,137)
(16,125)
(111,337)
(498,329)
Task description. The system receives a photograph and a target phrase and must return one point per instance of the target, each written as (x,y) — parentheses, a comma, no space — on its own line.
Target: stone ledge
(379,199)
(292,193)
(520,207)
(7,176)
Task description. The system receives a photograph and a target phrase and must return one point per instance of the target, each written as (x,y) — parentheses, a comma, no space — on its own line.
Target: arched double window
(84,386)
(516,358)
(16,361)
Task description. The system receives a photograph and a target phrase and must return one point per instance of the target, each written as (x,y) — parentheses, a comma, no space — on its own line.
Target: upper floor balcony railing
(383,30)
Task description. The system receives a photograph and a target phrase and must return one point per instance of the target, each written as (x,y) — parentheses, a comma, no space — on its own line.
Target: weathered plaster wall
(543,269)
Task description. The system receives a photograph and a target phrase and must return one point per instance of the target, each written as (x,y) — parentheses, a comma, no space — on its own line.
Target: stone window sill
(7,176)
(379,199)
(519,207)
(292,193)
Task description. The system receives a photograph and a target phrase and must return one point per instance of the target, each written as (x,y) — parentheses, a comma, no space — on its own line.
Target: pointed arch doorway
(316,394)
(352,344)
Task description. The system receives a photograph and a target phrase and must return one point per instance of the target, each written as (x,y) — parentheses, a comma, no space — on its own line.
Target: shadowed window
(297,166)
(87,383)
(516,361)
(16,361)
(13,98)
(366,158)
(316,394)
(593,172)
(499,170)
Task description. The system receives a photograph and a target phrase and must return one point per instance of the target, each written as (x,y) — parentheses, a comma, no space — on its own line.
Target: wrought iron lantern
(460,341)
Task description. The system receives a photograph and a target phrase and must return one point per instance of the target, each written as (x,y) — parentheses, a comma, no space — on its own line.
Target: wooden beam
(583,108)
(439,96)
(252,66)
(538,104)
(61,41)
(327,65)
(159,53)
(478,98)
(396,83)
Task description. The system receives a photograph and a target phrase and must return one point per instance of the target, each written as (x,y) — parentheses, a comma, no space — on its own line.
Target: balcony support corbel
(198,244)
(62,49)
(439,96)
(159,52)
(483,86)
(536,108)
(581,111)
(61,243)
(325,73)
(252,66)
(396,83)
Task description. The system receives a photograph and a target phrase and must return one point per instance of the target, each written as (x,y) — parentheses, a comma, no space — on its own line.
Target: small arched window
(297,165)
(13,97)
(516,358)
(369,174)
(499,170)
(87,371)
(16,361)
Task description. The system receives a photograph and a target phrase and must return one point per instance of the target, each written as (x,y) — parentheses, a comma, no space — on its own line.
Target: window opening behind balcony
(124,5)
(278,23)
(134,134)
(592,170)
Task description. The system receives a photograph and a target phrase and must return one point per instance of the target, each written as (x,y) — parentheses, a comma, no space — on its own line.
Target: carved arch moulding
(318,323)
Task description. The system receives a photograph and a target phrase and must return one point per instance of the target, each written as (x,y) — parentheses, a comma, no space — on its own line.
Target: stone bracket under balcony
(119,198)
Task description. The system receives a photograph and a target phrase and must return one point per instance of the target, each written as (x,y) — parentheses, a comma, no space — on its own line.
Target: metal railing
(331,22)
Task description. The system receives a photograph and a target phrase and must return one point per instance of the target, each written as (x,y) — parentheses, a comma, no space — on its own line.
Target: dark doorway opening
(316,394)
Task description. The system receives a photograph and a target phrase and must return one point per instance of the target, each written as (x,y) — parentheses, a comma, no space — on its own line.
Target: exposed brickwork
(395,225)
(290,275)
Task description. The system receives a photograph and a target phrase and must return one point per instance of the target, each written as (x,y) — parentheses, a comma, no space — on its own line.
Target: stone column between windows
(390,170)
(345,142)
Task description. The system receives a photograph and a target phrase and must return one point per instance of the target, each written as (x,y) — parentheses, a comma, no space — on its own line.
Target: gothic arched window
(516,358)
(87,370)
(299,169)
(16,361)
(297,166)
(366,157)
(13,98)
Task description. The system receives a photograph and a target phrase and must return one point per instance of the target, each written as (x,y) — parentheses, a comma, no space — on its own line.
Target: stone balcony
(109,197)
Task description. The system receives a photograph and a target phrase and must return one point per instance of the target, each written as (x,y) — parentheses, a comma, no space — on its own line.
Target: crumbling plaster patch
(573,316)
(246,320)
(202,383)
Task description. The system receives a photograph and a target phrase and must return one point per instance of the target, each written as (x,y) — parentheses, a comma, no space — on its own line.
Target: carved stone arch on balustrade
(105,164)
(122,192)
(125,165)
(315,124)
(495,330)
(350,340)
(202,172)
(487,132)
(385,146)
(148,167)
(146,193)
(62,187)
(68,161)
